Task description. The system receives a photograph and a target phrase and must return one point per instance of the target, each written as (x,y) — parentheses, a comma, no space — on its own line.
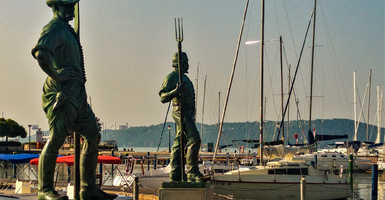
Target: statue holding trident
(178,88)
(59,54)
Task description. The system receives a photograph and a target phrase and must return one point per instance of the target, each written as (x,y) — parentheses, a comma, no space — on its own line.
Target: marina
(233,182)
(258,100)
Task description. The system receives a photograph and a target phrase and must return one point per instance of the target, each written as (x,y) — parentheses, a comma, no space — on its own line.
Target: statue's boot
(194,177)
(175,175)
(50,195)
(96,195)
(88,163)
(47,163)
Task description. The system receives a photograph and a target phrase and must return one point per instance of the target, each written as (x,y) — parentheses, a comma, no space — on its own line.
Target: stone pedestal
(184,191)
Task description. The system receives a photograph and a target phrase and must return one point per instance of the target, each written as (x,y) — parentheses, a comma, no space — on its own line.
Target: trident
(178,22)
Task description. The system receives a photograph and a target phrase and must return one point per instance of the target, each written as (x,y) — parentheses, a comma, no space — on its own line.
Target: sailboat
(280,179)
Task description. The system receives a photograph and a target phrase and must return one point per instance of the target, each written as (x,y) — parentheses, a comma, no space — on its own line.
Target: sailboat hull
(286,188)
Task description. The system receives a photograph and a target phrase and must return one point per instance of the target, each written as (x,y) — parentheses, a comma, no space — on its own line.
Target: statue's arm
(47,63)
(167,96)
(169,90)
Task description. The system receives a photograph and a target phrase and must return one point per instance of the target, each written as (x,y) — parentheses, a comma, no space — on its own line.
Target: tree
(10,128)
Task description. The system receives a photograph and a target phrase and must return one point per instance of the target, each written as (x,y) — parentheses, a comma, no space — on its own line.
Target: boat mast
(262,81)
(381,109)
(231,80)
(280,57)
(312,65)
(219,107)
(288,107)
(203,106)
(368,114)
(379,102)
(355,106)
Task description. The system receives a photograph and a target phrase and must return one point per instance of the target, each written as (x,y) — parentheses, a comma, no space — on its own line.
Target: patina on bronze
(64,100)
(178,88)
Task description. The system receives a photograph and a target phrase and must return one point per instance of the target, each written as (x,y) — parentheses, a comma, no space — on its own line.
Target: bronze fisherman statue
(170,91)
(59,54)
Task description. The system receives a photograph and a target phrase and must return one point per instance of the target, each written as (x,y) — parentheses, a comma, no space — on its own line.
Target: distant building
(123,127)
(108,145)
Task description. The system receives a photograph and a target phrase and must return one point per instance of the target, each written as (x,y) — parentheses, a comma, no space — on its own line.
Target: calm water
(363,188)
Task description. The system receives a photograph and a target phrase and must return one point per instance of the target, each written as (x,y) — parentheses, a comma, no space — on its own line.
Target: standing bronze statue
(170,91)
(59,54)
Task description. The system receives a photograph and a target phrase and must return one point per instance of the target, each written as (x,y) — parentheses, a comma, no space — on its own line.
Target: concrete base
(70,191)
(22,187)
(183,193)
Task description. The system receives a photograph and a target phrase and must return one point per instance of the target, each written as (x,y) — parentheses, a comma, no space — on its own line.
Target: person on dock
(170,91)
(59,54)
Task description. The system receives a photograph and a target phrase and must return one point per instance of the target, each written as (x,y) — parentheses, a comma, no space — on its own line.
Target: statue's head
(63,9)
(183,61)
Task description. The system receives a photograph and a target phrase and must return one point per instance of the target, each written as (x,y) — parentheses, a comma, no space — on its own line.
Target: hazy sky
(128,47)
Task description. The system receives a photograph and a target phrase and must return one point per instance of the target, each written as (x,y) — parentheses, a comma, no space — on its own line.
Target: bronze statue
(59,54)
(170,91)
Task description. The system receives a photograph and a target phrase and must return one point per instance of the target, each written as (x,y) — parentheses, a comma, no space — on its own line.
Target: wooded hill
(149,136)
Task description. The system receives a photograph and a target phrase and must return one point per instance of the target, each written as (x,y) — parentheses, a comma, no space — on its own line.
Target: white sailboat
(326,159)
(279,180)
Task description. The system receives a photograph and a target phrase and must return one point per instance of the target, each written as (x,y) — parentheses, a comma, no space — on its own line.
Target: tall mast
(312,65)
(355,106)
(203,105)
(379,102)
(219,107)
(231,80)
(367,122)
(280,57)
(262,81)
(381,109)
(288,107)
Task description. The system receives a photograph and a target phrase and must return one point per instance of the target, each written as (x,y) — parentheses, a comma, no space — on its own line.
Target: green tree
(10,128)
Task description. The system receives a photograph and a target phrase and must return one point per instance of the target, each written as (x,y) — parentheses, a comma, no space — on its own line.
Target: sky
(128,47)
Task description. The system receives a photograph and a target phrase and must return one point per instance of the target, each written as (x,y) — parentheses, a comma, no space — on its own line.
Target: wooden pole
(374,182)
(303,188)
(136,188)
(76,136)
(262,81)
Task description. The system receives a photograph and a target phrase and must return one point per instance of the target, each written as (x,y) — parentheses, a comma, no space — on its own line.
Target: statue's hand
(179,87)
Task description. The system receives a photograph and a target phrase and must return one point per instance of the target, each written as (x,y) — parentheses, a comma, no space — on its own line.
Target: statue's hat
(50,3)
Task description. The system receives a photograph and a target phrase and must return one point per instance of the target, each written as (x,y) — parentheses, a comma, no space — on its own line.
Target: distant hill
(149,136)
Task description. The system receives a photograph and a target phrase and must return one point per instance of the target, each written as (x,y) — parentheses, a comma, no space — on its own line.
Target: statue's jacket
(170,83)
(59,39)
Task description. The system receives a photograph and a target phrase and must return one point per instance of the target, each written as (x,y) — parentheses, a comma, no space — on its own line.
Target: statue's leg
(175,174)
(87,126)
(193,146)
(59,121)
